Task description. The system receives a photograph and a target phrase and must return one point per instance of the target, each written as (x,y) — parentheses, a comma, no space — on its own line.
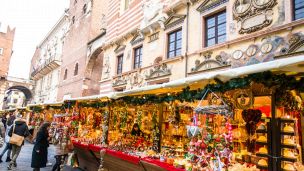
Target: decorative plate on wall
(238,54)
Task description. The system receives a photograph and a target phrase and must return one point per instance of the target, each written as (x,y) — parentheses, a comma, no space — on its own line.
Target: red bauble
(203,145)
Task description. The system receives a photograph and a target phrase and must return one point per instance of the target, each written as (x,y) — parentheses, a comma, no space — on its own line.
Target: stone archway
(93,73)
(11,83)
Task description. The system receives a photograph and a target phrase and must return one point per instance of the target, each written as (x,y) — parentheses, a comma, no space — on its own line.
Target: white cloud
(33,19)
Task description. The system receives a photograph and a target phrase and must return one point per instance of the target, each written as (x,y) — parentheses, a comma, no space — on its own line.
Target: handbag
(16,139)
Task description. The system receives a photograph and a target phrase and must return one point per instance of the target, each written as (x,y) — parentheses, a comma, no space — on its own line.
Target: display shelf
(262,155)
(285,136)
(261,131)
(267,144)
(287,120)
(288,133)
(288,159)
(289,146)
(261,143)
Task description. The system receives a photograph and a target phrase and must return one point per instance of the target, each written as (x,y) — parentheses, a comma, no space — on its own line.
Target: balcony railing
(45,68)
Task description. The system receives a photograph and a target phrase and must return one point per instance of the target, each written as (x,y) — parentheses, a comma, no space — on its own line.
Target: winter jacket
(39,159)
(20,128)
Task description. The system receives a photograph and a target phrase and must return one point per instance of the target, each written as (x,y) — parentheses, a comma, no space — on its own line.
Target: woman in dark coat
(40,150)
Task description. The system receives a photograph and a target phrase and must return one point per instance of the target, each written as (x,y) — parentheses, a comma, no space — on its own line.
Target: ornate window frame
(205,15)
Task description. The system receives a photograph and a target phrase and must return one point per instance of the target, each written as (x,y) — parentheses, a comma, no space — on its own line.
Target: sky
(33,19)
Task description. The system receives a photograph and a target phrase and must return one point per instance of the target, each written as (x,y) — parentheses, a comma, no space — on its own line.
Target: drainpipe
(187,40)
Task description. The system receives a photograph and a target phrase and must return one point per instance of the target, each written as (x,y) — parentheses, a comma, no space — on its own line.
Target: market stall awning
(286,65)
(94,97)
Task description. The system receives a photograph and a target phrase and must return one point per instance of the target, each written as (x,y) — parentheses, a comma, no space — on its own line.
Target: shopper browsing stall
(40,150)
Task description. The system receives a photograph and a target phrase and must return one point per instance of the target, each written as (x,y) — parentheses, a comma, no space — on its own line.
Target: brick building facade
(6,50)
(85,23)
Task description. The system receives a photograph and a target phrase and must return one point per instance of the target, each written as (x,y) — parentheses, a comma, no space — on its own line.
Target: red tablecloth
(126,157)
(95,148)
(162,164)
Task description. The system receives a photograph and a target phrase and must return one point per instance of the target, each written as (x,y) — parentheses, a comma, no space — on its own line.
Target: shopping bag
(16,139)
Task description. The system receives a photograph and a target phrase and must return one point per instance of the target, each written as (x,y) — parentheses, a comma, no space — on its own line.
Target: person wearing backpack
(17,133)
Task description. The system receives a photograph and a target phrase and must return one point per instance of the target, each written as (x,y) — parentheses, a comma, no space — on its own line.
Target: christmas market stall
(90,124)
(62,126)
(39,113)
(246,119)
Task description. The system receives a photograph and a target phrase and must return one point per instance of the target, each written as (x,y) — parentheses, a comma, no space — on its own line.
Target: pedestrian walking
(40,150)
(8,146)
(2,133)
(17,133)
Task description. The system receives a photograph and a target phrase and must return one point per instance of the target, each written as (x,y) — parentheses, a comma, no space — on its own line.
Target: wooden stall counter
(89,159)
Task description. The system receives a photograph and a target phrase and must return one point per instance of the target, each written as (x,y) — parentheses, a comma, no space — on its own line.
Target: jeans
(8,149)
(15,153)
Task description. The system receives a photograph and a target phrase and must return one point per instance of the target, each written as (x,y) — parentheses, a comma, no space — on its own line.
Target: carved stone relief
(295,42)
(267,50)
(106,68)
(157,60)
(153,12)
(130,81)
(208,63)
(253,15)
(120,81)
(158,71)
(136,80)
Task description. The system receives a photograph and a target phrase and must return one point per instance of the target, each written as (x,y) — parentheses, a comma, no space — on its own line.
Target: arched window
(84,8)
(65,76)
(76,69)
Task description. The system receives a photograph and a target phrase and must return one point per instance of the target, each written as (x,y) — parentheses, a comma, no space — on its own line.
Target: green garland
(281,83)
(36,109)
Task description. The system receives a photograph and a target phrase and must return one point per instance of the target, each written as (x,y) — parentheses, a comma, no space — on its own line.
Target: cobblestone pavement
(25,157)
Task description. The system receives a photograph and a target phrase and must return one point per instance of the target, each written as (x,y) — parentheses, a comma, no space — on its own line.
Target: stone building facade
(79,74)
(152,42)
(46,62)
